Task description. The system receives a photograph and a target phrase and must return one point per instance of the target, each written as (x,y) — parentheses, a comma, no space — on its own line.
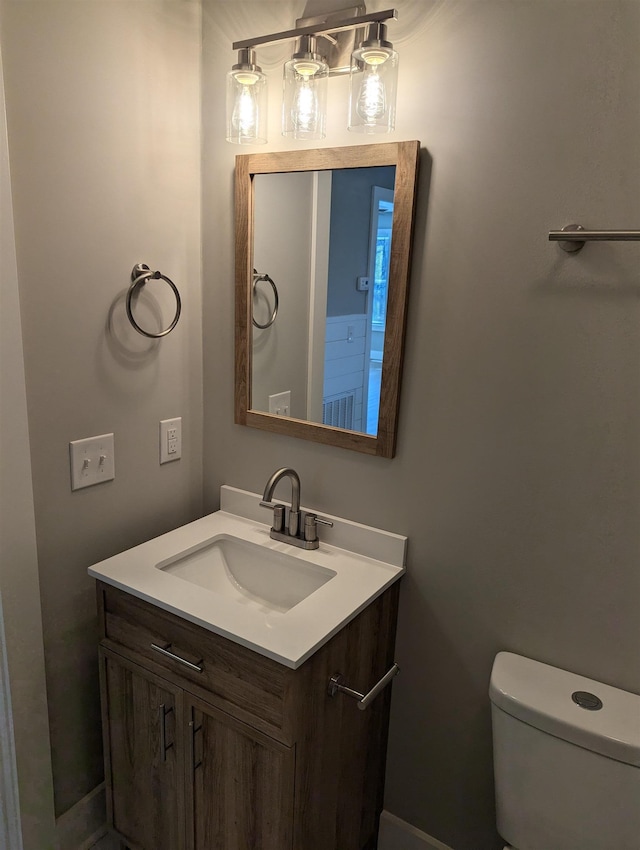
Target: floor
(106,843)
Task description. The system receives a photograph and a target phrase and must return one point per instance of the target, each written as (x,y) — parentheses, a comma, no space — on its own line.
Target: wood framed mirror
(322,252)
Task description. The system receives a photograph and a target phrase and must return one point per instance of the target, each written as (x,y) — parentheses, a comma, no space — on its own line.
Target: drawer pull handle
(364,700)
(165,651)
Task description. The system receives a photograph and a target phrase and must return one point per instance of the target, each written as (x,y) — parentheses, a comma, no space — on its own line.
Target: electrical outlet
(170,439)
(92,461)
(280,403)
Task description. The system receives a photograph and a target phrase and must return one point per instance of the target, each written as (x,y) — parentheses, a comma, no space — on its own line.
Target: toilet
(566,753)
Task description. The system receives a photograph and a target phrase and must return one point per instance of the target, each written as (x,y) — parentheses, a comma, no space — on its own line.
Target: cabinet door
(143,723)
(240,792)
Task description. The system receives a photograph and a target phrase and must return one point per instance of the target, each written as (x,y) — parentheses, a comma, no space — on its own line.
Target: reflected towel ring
(276,301)
(139,276)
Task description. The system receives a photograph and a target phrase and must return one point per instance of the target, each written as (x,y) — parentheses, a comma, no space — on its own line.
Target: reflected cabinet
(323,249)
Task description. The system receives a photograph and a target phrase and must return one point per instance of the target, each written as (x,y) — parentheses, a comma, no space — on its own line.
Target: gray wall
(517,471)
(282,249)
(103,122)
(24,737)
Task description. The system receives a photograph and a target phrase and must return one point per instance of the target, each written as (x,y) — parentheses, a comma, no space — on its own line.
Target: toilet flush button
(586,700)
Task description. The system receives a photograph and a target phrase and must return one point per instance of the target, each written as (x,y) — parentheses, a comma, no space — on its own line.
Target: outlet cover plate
(92,461)
(170,439)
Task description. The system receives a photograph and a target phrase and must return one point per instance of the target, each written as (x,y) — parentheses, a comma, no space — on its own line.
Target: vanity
(244,684)
(245,669)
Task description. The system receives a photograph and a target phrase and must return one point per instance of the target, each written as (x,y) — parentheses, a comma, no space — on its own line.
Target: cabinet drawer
(242,682)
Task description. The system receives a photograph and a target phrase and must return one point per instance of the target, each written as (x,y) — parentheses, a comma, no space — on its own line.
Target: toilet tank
(566,753)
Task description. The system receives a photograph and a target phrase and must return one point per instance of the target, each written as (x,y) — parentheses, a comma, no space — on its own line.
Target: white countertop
(288,637)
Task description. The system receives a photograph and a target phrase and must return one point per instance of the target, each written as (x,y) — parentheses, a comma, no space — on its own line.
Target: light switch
(92,461)
(280,403)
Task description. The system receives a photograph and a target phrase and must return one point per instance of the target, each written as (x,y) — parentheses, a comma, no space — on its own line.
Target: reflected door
(379,256)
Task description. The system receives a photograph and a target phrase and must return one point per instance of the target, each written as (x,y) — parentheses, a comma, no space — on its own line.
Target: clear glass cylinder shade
(246,107)
(304,102)
(372,93)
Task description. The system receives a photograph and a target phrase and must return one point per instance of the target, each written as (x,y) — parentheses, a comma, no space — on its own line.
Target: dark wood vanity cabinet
(236,751)
(143,732)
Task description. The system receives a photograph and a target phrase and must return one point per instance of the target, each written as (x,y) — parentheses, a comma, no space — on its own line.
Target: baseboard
(85,823)
(397,834)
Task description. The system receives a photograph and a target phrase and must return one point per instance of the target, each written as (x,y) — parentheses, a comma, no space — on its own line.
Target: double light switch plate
(92,461)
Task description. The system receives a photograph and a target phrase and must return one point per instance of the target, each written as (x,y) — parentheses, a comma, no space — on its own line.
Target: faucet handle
(324,521)
(278,514)
(311,528)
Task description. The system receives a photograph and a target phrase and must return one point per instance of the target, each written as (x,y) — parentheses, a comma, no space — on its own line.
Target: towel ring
(139,276)
(276,301)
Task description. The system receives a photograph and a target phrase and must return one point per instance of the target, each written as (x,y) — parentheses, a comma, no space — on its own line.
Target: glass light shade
(304,102)
(246,105)
(373,85)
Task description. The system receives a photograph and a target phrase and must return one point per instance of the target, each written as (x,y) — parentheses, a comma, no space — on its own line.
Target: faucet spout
(302,527)
(294,513)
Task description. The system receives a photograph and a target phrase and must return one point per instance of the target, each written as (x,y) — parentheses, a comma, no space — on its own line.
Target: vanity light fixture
(374,74)
(304,103)
(319,53)
(246,101)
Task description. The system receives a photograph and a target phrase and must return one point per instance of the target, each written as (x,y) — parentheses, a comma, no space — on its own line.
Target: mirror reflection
(321,252)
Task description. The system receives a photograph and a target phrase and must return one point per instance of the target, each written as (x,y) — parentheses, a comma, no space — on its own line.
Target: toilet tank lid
(541,696)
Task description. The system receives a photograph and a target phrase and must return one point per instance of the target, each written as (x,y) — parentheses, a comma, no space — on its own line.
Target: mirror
(323,243)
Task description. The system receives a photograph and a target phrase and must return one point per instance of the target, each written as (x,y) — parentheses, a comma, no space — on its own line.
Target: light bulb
(372,101)
(305,109)
(246,101)
(245,112)
(374,68)
(305,92)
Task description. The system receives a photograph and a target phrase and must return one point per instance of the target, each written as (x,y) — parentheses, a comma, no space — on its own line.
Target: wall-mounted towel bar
(336,686)
(139,276)
(573,236)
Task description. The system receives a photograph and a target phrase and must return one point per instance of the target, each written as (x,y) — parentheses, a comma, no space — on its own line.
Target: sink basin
(225,573)
(248,574)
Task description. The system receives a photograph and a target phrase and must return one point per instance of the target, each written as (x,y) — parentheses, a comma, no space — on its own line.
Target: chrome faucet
(301,529)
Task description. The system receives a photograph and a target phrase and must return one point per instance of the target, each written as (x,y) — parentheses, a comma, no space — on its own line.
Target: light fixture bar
(319,29)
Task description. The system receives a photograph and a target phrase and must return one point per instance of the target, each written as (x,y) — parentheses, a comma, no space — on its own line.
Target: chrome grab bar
(276,301)
(165,651)
(364,700)
(573,236)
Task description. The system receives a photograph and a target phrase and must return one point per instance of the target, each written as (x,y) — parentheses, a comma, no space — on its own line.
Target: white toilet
(566,759)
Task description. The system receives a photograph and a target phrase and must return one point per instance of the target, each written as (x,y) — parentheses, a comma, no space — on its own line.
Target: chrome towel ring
(276,301)
(139,276)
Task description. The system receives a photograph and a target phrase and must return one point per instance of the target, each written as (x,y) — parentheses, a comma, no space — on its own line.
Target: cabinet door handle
(165,651)
(193,730)
(163,711)
(364,700)
(163,732)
